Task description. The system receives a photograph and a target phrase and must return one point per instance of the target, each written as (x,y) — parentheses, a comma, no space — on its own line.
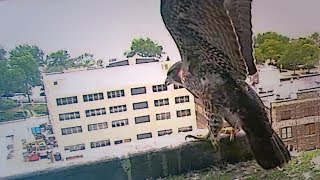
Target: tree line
(20,68)
(287,53)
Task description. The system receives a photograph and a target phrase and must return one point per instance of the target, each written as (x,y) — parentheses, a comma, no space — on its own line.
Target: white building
(125,102)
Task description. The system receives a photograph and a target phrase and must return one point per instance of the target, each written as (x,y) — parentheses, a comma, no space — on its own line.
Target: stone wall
(162,163)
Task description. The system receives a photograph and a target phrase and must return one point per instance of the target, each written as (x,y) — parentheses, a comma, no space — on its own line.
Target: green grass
(9,116)
(250,170)
(37,109)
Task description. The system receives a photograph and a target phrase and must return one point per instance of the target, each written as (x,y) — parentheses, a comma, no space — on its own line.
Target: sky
(107,27)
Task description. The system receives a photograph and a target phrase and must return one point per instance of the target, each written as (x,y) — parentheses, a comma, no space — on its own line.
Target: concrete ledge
(161,163)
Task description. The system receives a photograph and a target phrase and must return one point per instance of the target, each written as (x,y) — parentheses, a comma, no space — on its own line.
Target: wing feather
(240,14)
(202,29)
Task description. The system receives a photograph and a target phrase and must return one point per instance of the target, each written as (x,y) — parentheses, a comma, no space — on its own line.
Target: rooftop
(276,86)
(83,80)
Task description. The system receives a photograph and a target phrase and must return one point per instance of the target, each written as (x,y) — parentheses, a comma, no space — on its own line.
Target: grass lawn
(300,167)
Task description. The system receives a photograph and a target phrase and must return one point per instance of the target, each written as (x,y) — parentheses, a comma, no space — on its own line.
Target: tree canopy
(21,70)
(287,53)
(145,48)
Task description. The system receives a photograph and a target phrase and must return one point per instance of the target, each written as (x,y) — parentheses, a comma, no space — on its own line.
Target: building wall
(129,131)
(301,120)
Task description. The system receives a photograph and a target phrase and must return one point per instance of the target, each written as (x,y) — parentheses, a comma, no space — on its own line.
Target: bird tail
(269,153)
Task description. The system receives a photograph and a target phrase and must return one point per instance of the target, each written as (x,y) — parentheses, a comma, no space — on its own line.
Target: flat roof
(80,81)
(270,80)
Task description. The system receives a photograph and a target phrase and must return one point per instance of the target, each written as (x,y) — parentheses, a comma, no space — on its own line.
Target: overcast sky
(106,27)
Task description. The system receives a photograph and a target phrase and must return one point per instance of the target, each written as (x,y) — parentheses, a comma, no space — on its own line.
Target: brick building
(297,121)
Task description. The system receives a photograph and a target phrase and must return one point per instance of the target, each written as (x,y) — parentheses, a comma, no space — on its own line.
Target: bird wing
(203,31)
(240,14)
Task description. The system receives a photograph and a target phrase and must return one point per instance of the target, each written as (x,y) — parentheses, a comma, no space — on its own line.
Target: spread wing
(240,14)
(204,33)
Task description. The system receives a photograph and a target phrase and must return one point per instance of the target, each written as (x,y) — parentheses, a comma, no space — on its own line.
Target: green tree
(3,53)
(261,38)
(300,52)
(35,51)
(58,58)
(3,76)
(269,46)
(144,48)
(84,60)
(23,58)
(315,37)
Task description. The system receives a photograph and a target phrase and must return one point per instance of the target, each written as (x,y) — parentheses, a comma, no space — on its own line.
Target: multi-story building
(293,104)
(297,121)
(123,103)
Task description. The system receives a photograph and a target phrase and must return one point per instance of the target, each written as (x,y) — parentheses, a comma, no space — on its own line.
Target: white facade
(122,119)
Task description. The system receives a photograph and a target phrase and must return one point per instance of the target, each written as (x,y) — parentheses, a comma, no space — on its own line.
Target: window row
(97,126)
(308,111)
(140,105)
(159,88)
(93,97)
(95,112)
(182,113)
(120,108)
(100,143)
(309,129)
(76,147)
(163,116)
(115,94)
(107,142)
(161,102)
(121,122)
(181,99)
(69,116)
(67,100)
(71,130)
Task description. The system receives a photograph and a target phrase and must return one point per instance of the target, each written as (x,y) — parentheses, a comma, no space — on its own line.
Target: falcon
(214,38)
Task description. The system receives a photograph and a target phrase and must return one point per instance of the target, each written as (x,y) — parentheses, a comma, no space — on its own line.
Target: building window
(161,102)
(118,142)
(310,128)
(93,97)
(139,90)
(182,113)
(100,143)
(144,136)
(116,109)
(165,132)
(181,99)
(142,119)
(159,88)
(185,129)
(76,147)
(115,94)
(97,126)
(163,116)
(95,112)
(286,132)
(67,100)
(71,130)
(177,86)
(121,122)
(140,105)
(69,116)
(311,111)
(285,115)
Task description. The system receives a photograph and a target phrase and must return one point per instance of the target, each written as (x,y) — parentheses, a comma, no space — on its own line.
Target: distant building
(293,104)
(122,103)
(298,121)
